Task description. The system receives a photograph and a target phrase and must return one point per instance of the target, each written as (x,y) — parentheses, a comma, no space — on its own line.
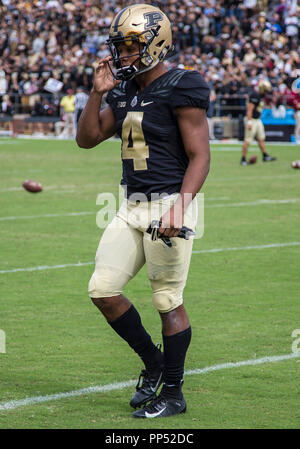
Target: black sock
(243,158)
(130,328)
(175,349)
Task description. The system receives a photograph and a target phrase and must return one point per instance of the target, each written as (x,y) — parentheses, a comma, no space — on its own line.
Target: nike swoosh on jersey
(154,415)
(145,104)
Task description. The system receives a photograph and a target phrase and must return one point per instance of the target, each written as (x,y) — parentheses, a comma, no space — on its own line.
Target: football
(252,159)
(32,186)
(296,164)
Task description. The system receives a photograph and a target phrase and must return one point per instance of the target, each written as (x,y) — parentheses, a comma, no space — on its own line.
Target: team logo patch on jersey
(121,104)
(133,102)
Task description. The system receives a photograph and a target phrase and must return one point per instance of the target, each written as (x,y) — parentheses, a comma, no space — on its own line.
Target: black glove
(184,233)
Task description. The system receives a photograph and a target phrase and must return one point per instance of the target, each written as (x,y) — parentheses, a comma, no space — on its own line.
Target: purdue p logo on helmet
(153,17)
(148,26)
(264,86)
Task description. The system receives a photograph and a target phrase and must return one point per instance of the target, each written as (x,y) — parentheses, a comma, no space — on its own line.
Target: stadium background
(232,43)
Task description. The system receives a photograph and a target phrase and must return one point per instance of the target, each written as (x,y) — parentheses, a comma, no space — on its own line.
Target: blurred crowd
(232,43)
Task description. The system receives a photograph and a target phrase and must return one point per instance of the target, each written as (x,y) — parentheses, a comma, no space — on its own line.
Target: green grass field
(243,304)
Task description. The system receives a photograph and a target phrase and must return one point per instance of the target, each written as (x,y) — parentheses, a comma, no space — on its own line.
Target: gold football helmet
(148,26)
(264,86)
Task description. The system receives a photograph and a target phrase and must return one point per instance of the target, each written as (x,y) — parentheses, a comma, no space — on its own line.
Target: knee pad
(165,301)
(105,282)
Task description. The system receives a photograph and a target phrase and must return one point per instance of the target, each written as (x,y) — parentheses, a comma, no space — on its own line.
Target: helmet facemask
(144,59)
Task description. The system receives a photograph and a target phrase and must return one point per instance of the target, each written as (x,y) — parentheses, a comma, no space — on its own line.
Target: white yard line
(61,188)
(229,148)
(246,248)
(13,189)
(14,404)
(261,202)
(220,198)
(47,267)
(203,251)
(253,178)
(28,217)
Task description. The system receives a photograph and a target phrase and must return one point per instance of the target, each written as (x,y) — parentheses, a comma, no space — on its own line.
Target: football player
(254,128)
(160,117)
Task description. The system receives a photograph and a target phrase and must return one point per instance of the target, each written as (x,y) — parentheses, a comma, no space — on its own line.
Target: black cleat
(146,391)
(161,407)
(268,158)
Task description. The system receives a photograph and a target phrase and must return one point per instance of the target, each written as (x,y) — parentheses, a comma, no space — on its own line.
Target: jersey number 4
(133,140)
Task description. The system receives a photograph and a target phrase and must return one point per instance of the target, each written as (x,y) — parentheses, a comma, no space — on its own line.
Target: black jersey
(153,155)
(256,99)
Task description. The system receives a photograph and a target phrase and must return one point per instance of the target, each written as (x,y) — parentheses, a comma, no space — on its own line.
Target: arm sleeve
(192,91)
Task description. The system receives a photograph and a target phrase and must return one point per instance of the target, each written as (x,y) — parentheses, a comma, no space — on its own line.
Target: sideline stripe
(13,404)
(203,251)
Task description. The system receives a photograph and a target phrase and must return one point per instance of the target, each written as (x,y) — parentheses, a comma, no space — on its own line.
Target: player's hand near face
(94,127)
(103,79)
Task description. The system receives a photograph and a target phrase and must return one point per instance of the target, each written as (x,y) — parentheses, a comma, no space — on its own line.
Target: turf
(243,304)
